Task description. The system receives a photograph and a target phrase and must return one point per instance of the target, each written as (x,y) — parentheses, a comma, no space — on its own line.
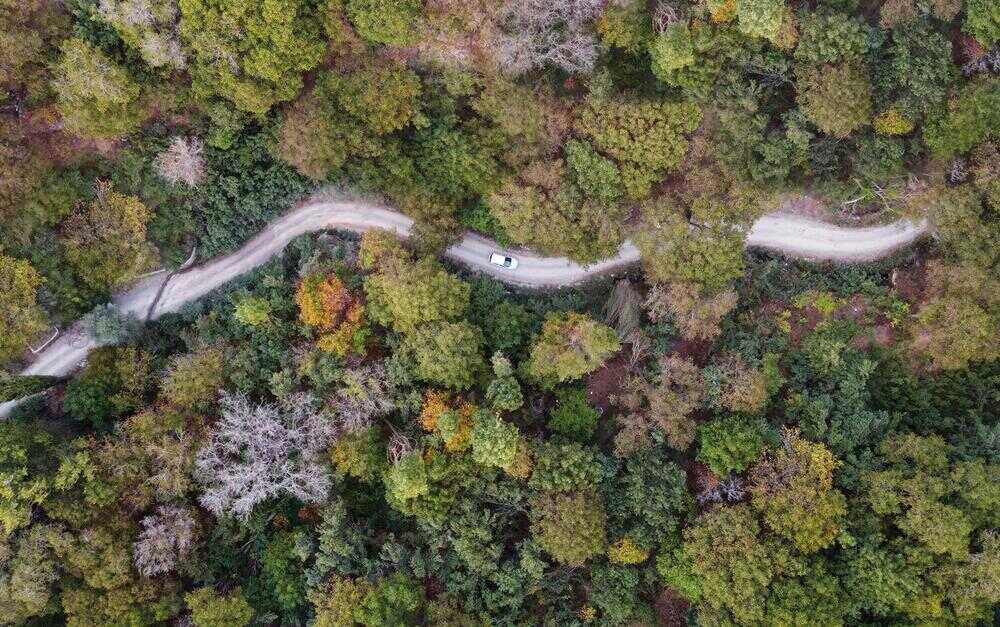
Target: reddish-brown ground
(671,609)
(910,282)
(607,381)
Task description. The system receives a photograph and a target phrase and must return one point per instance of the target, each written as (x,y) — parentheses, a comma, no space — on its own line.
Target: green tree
(21,319)
(760,18)
(504,392)
(960,321)
(106,240)
(347,114)
(26,466)
(673,250)
(252,54)
(565,468)
(971,116)
(837,98)
(96,97)
(448,354)
(648,500)
(729,444)
(395,600)
(572,415)
(828,38)
(19,386)
(405,295)
(495,441)
(644,137)
(793,490)
(211,609)
(571,527)
(28,577)
(390,22)
(281,568)
(597,177)
(112,385)
(360,454)
(982,21)
(193,380)
(937,515)
(570,345)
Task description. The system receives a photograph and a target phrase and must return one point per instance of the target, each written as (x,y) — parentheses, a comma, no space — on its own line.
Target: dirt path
(792,235)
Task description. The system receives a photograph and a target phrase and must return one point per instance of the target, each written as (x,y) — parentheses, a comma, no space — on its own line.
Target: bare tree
(258,452)
(534,33)
(166,538)
(182,162)
(623,311)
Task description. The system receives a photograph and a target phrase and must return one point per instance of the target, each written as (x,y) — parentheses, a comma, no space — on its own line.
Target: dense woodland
(359,434)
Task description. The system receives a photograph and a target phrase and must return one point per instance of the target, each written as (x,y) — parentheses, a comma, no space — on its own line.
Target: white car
(503,261)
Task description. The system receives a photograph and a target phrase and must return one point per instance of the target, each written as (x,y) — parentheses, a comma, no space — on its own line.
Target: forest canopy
(363,431)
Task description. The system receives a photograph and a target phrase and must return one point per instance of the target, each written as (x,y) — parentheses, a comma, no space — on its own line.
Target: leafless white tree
(182,162)
(534,33)
(166,538)
(258,452)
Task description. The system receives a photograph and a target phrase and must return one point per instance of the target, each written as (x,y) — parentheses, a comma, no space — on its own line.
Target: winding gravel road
(153,296)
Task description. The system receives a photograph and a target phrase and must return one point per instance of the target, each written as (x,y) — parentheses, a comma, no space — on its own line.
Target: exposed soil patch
(883,334)
(697,351)
(671,609)
(699,477)
(910,282)
(607,381)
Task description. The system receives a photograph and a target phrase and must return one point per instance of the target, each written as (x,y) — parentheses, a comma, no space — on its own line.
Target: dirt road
(789,234)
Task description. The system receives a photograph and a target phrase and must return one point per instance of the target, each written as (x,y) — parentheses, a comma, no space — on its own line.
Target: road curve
(792,235)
